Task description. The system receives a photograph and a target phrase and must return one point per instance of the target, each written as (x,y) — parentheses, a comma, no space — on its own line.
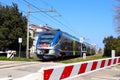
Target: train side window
(78,46)
(62,45)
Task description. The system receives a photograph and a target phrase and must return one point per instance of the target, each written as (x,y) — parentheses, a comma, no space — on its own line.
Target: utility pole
(28,19)
(28,22)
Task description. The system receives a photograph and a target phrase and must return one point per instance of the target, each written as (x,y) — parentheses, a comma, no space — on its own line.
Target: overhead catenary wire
(51,17)
(58,13)
(54,20)
(41,12)
(25,13)
(34,17)
(41,21)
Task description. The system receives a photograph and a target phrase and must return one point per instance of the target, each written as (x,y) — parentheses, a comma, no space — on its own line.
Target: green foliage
(111,43)
(4,58)
(12,26)
(117,16)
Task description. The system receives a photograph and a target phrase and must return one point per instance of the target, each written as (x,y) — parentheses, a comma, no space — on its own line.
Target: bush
(111,43)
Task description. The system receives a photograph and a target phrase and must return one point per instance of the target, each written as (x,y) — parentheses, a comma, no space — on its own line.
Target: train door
(66,46)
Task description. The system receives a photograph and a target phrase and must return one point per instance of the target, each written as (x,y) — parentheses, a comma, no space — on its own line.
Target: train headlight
(51,52)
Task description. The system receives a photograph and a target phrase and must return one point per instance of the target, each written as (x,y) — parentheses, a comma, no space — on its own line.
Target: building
(34,31)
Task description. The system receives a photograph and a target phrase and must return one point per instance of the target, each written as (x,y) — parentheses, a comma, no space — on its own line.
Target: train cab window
(46,38)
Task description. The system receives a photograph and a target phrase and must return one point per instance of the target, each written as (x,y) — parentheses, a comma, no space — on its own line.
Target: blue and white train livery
(55,43)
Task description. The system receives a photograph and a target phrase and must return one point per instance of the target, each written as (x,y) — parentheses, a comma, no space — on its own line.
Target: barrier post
(113,53)
(19,41)
(10,54)
(113,56)
(84,56)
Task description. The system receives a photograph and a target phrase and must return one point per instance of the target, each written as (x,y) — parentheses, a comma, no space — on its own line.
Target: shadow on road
(58,59)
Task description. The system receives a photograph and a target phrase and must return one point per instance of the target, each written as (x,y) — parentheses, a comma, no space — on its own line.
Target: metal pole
(19,49)
(81,50)
(28,17)
(81,41)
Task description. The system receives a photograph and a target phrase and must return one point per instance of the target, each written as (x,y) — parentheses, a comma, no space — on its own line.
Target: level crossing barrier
(11,53)
(69,71)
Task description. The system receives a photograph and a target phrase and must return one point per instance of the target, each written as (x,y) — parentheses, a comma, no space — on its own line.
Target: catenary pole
(28,19)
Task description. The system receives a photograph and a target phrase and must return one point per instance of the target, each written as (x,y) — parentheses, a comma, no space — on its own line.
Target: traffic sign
(19,40)
(81,40)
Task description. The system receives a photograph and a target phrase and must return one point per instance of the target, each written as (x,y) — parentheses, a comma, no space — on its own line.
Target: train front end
(46,47)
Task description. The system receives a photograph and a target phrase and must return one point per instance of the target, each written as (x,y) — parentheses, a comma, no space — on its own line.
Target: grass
(80,59)
(4,58)
(66,60)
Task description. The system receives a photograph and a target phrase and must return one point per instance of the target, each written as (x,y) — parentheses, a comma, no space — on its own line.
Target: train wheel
(63,54)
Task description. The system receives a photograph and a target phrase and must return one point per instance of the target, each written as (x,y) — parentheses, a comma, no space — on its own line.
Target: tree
(111,43)
(12,26)
(117,16)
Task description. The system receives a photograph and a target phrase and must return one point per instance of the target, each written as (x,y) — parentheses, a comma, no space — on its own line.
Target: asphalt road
(20,69)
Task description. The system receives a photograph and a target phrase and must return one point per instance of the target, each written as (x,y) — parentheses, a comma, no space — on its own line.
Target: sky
(91,19)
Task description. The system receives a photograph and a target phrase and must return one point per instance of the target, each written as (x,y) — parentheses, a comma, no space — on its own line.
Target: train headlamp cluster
(52,51)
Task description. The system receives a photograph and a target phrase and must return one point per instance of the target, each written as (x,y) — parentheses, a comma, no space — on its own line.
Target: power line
(50,16)
(53,18)
(33,15)
(35,18)
(38,19)
(60,16)
(47,17)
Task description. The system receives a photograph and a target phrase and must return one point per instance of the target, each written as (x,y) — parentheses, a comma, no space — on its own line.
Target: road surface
(19,69)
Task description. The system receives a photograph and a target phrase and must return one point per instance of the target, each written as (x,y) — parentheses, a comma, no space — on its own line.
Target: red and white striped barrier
(76,69)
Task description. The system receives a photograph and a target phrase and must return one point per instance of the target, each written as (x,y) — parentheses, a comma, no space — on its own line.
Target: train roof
(72,37)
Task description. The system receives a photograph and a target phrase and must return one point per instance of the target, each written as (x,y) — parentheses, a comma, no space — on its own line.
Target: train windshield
(47,38)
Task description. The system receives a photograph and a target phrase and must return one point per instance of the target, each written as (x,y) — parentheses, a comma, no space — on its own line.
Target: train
(53,44)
